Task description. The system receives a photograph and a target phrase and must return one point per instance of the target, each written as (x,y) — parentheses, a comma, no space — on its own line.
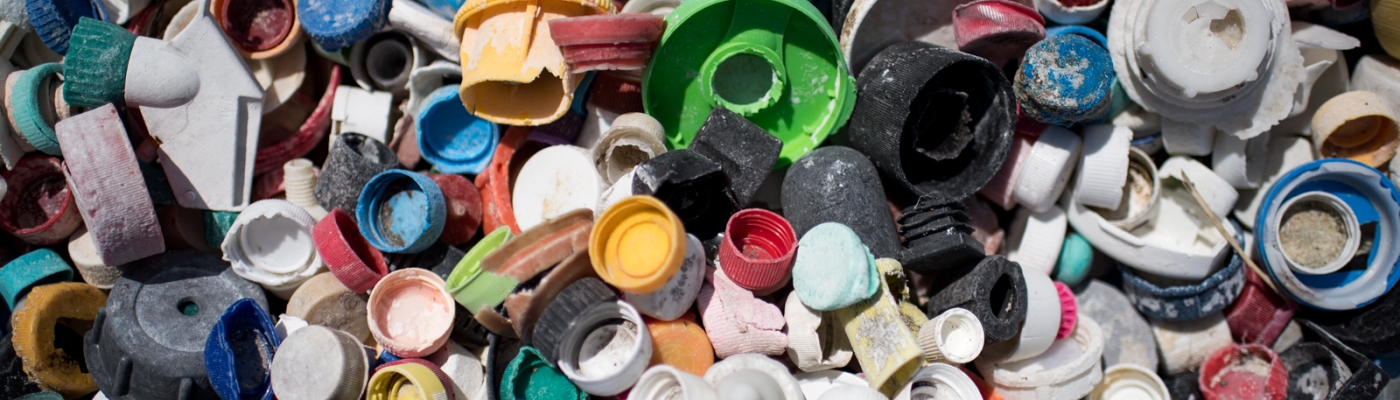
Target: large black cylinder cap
(744,150)
(148,342)
(352,161)
(857,199)
(1322,364)
(994,291)
(938,238)
(693,186)
(936,121)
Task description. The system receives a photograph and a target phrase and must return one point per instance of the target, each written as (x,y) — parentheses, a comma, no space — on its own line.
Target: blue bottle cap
(1065,79)
(36,268)
(245,332)
(334,24)
(451,138)
(54,20)
(401,211)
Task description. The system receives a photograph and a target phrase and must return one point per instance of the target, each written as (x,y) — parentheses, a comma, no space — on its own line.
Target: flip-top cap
(346,253)
(993,279)
(352,161)
(1263,378)
(451,138)
(744,150)
(238,354)
(149,341)
(401,211)
(316,362)
(858,203)
(36,268)
(54,20)
(758,250)
(324,301)
(46,329)
(335,24)
(38,208)
(693,186)
(634,224)
(271,244)
(965,119)
(410,314)
(1065,79)
(830,250)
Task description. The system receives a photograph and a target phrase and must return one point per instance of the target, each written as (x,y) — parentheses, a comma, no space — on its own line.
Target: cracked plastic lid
(271,244)
(401,211)
(451,138)
(48,331)
(745,69)
(637,245)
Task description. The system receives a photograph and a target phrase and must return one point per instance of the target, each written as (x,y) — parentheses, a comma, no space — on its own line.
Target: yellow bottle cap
(637,245)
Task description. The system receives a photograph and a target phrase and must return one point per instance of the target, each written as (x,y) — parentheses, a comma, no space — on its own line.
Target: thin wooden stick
(1220,226)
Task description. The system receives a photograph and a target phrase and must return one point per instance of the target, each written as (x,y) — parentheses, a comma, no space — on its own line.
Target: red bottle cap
(1069,310)
(616,92)
(349,256)
(463,208)
(1258,315)
(257,25)
(38,208)
(494,182)
(1245,372)
(998,30)
(758,249)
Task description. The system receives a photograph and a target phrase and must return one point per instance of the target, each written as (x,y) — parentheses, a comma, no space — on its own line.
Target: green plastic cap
(95,68)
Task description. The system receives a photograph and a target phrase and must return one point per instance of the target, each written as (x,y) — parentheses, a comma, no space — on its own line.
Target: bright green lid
(473,288)
(775,62)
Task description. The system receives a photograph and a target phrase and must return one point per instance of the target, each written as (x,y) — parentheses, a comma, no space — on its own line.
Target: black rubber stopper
(839,184)
(936,121)
(1370,330)
(994,291)
(561,314)
(938,239)
(440,258)
(1348,375)
(693,186)
(353,160)
(148,342)
(745,151)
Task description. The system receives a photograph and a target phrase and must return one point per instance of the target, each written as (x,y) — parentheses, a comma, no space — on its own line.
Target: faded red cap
(463,208)
(1244,372)
(1069,310)
(1258,315)
(348,255)
(758,249)
(998,30)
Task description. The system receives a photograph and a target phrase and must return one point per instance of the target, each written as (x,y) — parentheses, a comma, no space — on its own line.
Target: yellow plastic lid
(637,245)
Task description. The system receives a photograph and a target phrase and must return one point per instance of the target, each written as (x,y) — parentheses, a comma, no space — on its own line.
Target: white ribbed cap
(1099,181)
(1046,171)
(1035,238)
(954,337)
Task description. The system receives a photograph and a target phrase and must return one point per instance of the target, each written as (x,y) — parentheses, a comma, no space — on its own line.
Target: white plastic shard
(1240,162)
(424,80)
(432,30)
(204,108)
(1205,65)
(355,110)
(1321,49)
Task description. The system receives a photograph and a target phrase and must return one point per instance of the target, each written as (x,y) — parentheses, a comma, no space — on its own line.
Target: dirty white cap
(1104,168)
(954,337)
(816,383)
(1141,191)
(280,77)
(1068,370)
(741,375)
(462,367)
(1217,192)
(1130,382)
(1047,170)
(1074,13)
(632,139)
(664,382)
(596,120)
(1035,238)
(323,300)
(606,350)
(299,176)
(270,244)
(316,363)
(88,262)
(1240,162)
(1290,228)
(1285,152)
(1184,345)
(553,182)
(1040,327)
(816,341)
(679,293)
(940,381)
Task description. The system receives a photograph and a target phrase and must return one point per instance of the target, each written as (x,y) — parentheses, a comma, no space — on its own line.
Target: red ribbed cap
(463,208)
(1258,316)
(1238,372)
(38,207)
(616,93)
(1069,310)
(349,256)
(757,250)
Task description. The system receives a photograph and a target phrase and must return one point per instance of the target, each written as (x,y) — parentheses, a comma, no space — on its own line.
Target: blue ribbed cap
(334,24)
(54,20)
(244,331)
(451,138)
(401,211)
(1065,79)
(36,268)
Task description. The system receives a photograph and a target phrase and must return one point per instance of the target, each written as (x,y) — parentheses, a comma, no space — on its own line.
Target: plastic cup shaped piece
(38,208)
(410,314)
(451,138)
(758,249)
(260,28)
(1313,248)
(346,253)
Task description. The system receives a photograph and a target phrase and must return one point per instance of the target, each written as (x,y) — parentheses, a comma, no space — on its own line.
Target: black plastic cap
(936,121)
(693,186)
(353,160)
(1349,375)
(938,239)
(561,314)
(994,291)
(745,151)
(1371,330)
(839,184)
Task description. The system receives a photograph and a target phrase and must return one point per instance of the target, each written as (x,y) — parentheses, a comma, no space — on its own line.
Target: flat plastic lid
(637,245)
(277,245)
(451,138)
(553,182)
(316,362)
(409,312)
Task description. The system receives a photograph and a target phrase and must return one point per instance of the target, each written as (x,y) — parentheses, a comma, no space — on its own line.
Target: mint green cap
(1076,256)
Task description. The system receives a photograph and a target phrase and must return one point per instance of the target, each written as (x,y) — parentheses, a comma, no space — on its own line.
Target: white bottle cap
(954,337)
(1068,370)
(1184,345)
(1104,168)
(553,182)
(1040,327)
(1047,170)
(940,381)
(1035,238)
(1130,382)
(270,244)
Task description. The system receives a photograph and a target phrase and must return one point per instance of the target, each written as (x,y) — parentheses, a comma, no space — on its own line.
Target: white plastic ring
(1329,205)
(1068,370)
(940,381)
(607,349)
(954,337)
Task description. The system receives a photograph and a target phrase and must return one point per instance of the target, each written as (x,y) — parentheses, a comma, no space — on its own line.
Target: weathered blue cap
(238,353)
(1065,79)
(54,20)
(401,211)
(334,24)
(451,138)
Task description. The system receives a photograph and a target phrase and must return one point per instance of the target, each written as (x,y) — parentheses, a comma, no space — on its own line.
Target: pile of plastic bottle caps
(699,199)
